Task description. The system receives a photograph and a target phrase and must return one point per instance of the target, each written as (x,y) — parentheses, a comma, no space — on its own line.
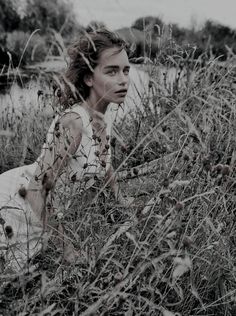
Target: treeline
(212,39)
(53,24)
(50,21)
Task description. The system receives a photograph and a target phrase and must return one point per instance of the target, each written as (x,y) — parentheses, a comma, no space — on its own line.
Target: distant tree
(149,23)
(178,33)
(54,14)
(9,21)
(135,40)
(38,14)
(216,31)
(9,18)
(19,18)
(140,44)
(218,36)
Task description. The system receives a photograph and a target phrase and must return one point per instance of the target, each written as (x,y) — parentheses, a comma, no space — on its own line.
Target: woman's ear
(88,80)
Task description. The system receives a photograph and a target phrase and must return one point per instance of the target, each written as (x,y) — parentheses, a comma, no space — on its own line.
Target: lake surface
(139,94)
(22,99)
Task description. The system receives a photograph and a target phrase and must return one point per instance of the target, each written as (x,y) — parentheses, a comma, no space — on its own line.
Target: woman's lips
(121,92)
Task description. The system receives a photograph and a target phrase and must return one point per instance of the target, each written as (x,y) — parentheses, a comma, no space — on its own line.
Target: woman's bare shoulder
(71,120)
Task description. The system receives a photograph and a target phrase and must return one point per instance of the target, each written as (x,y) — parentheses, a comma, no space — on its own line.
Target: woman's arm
(67,136)
(111,179)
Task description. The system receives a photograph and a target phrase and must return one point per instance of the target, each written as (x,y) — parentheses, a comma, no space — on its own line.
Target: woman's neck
(95,114)
(98,105)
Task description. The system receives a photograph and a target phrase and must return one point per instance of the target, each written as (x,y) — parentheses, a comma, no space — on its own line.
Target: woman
(76,149)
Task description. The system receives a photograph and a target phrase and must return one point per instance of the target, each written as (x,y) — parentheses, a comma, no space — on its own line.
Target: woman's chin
(119,100)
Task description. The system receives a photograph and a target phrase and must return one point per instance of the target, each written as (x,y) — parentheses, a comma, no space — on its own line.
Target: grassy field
(172,252)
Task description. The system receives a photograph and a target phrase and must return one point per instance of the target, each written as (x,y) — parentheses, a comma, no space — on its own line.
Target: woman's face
(110,79)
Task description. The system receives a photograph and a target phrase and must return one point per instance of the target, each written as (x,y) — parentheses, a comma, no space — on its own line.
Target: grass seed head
(113,142)
(225,170)
(123,149)
(73,177)
(179,206)
(218,167)
(206,164)
(186,157)
(165,182)
(187,242)
(103,164)
(22,192)
(2,221)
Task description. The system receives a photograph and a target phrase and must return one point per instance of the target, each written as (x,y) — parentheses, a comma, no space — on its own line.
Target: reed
(172,252)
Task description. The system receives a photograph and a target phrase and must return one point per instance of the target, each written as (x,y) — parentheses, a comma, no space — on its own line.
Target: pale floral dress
(21,231)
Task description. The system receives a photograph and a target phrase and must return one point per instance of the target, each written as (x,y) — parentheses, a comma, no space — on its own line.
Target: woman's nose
(123,79)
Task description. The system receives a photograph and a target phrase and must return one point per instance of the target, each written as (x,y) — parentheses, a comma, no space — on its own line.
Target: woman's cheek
(128,82)
(110,83)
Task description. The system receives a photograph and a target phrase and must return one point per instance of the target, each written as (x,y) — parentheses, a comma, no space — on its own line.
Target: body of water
(139,95)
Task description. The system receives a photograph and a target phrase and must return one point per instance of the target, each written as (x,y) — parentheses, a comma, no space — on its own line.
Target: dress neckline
(95,118)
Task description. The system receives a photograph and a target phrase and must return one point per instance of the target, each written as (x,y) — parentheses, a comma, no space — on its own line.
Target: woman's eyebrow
(115,67)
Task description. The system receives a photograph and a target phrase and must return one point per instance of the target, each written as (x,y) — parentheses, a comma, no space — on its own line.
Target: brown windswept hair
(84,57)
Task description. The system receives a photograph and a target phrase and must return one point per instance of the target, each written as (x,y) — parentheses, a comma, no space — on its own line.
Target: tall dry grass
(172,252)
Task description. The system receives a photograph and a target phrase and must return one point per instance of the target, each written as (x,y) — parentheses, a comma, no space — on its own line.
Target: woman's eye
(126,72)
(112,72)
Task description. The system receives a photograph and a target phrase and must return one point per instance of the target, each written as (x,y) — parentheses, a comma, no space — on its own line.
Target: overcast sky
(119,13)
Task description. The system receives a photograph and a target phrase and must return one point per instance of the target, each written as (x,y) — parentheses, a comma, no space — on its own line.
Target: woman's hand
(111,178)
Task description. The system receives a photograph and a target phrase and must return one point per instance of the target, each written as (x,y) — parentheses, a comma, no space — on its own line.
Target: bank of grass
(25,115)
(173,251)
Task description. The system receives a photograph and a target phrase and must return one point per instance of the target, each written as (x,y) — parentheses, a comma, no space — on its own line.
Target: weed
(173,251)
